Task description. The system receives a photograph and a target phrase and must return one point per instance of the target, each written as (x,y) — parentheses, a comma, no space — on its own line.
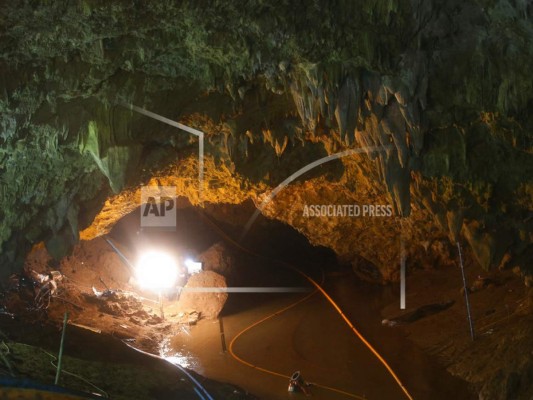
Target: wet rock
(61,243)
(421,312)
(190,317)
(208,304)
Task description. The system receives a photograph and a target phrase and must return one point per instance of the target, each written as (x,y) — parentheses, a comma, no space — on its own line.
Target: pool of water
(312,337)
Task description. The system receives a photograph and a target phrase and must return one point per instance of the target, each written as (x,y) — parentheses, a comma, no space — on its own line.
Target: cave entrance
(208,236)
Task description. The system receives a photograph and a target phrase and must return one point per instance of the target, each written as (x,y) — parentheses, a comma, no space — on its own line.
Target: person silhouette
(297,382)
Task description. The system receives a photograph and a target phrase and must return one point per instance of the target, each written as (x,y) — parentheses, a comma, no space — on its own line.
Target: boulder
(218,258)
(207,304)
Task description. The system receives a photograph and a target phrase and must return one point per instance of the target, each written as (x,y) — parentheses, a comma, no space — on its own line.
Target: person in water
(296,382)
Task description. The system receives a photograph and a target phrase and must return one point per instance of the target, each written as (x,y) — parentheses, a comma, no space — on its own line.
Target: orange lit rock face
(370,242)
(220,186)
(441,210)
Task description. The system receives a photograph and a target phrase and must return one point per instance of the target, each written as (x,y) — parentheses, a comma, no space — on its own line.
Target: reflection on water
(180,359)
(179,356)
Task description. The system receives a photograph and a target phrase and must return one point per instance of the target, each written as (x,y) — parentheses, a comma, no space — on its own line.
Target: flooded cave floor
(423,352)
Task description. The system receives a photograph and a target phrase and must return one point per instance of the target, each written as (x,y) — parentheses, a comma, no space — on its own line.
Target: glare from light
(156,270)
(181,357)
(180,360)
(193,267)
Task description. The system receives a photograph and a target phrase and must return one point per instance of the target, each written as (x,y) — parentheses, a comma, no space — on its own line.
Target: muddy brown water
(422,374)
(312,338)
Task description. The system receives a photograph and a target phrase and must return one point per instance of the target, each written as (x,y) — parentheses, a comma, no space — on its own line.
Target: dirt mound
(94,262)
(207,303)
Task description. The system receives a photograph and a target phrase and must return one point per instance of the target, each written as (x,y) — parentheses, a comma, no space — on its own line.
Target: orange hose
(328,298)
(267,371)
(354,330)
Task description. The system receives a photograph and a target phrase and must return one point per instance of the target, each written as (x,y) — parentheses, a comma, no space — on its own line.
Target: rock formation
(207,304)
(436,94)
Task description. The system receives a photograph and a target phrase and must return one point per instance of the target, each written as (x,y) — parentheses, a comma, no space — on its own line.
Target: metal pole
(60,357)
(161,306)
(466,293)
(402,276)
(120,254)
(200,168)
(222,335)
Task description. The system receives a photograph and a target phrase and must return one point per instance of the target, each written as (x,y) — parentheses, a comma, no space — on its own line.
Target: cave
(266,199)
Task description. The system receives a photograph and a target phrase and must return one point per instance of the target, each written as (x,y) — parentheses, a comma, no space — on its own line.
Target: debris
(89,328)
(48,287)
(104,294)
(136,320)
(4,312)
(481,283)
(120,334)
(189,317)
(185,330)
(117,303)
(37,277)
(112,308)
(154,320)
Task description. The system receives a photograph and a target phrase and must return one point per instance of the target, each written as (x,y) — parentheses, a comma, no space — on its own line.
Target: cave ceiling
(437,94)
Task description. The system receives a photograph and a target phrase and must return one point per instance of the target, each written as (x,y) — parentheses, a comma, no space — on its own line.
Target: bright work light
(193,267)
(156,270)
